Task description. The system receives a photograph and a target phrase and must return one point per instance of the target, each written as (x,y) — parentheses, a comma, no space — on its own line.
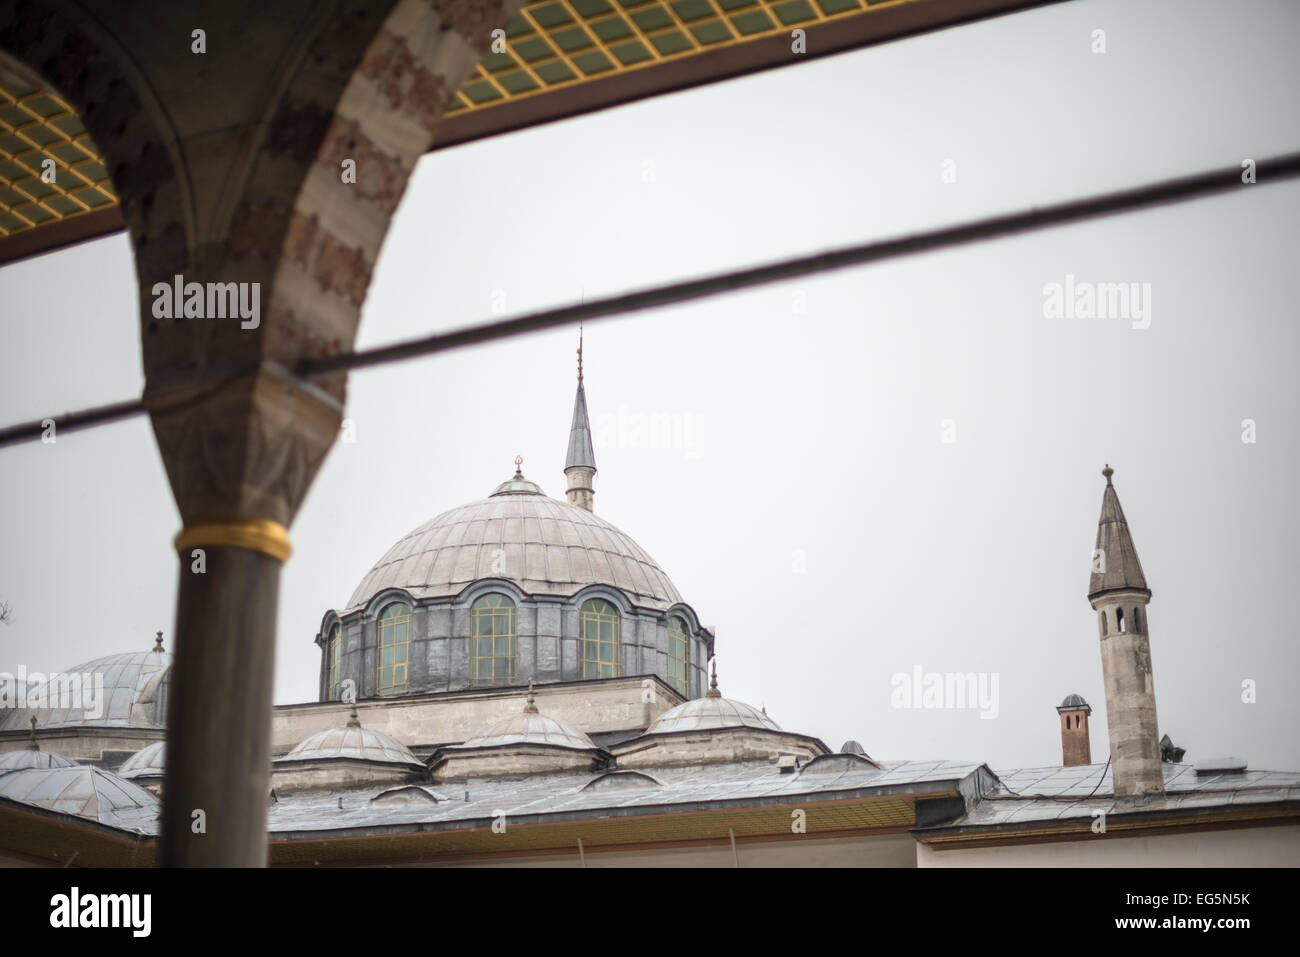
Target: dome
(711,713)
(84,791)
(354,743)
(148,762)
(544,545)
(131,695)
(529,727)
(31,758)
(1073,702)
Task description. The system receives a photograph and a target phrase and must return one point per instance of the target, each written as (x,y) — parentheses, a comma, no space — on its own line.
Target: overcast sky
(806,504)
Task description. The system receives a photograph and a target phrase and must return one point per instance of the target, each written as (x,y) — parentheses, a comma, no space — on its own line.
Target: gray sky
(813,433)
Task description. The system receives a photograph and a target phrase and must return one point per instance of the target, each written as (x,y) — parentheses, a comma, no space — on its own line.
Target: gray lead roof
(581,454)
(546,546)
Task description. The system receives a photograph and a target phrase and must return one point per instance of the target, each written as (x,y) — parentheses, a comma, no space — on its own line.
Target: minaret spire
(580,463)
(1119,594)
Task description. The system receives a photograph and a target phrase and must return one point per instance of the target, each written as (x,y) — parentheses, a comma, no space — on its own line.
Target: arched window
(677,655)
(1137,620)
(1103,623)
(599,626)
(394,647)
(1119,618)
(492,640)
(334,650)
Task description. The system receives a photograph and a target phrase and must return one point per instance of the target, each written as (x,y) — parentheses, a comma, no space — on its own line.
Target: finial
(519,465)
(579,352)
(33,745)
(713,691)
(1108,472)
(157,642)
(530,707)
(353,720)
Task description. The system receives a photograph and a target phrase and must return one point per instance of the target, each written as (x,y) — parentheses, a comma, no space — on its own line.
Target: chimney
(1075,747)
(1119,594)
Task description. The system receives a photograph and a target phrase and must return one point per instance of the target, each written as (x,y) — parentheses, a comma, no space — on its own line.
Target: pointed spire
(581,454)
(530,706)
(353,720)
(1115,562)
(157,642)
(32,745)
(713,691)
(580,462)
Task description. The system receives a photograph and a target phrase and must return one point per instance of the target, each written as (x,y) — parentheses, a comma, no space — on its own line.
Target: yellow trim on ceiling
(553,44)
(36,126)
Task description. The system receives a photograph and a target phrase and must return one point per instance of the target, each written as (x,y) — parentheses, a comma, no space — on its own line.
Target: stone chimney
(1119,594)
(1075,746)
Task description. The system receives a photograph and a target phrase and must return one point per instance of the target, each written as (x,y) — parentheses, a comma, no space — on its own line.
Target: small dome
(148,762)
(1073,702)
(128,696)
(354,743)
(31,758)
(711,713)
(84,791)
(529,727)
(518,485)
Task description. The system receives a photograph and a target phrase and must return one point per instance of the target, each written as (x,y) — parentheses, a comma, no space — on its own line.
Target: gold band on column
(255,534)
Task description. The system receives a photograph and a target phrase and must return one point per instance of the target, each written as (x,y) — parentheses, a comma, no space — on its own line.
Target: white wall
(1243,847)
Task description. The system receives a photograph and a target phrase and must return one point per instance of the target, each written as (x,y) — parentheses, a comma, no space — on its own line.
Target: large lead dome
(545,546)
(515,587)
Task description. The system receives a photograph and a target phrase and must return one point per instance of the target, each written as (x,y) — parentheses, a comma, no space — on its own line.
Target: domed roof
(84,791)
(353,742)
(130,697)
(530,727)
(30,758)
(544,545)
(711,713)
(1073,702)
(148,762)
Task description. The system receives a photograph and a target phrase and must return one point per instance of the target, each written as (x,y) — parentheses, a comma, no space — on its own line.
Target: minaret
(1118,591)
(580,463)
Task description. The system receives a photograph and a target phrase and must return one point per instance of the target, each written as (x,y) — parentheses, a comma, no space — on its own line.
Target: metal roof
(580,453)
(31,758)
(711,713)
(85,792)
(529,728)
(148,762)
(129,695)
(1049,794)
(1120,567)
(358,744)
(543,545)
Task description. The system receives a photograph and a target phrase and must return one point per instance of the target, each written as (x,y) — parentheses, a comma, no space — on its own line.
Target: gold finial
(531,706)
(353,720)
(579,352)
(713,691)
(519,465)
(157,642)
(1108,472)
(33,745)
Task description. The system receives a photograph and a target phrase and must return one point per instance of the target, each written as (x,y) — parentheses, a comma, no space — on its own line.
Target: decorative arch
(600,627)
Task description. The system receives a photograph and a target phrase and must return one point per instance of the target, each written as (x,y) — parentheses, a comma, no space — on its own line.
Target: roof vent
(787,763)
(1221,766)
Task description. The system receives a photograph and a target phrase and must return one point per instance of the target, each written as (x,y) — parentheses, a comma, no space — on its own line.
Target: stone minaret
(1075,746)
(1118,591)
(580,463)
